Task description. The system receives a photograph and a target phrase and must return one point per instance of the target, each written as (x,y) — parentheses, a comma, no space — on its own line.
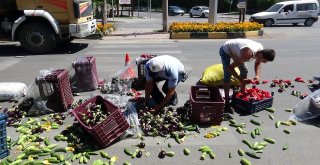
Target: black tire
(268,22)
(182,14)
(37,38)
(190,15)
(295,24)
(308,22)
(202,15)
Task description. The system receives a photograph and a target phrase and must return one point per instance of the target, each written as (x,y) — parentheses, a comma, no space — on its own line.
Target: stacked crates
(4,152)
(55,89)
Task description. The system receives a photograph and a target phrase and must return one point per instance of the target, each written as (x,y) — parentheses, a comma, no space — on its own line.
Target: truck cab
(40,24)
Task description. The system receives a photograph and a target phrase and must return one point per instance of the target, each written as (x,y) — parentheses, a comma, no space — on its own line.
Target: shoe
(228,109)
(174,99)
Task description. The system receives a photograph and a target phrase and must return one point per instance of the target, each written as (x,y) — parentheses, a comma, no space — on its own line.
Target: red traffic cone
(127,60)
(129,72)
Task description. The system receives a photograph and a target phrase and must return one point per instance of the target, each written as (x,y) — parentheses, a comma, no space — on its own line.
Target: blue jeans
(225,58)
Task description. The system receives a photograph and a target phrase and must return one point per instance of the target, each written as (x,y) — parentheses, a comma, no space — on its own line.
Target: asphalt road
(297,55)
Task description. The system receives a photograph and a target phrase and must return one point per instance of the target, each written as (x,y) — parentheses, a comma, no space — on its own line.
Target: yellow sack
(213,76)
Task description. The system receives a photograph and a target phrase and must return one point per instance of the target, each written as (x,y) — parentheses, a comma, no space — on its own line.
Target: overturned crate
(108,130)
(207,105)
(85,76)
(55,89)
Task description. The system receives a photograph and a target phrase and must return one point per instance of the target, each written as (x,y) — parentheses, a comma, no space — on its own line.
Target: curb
(215,35)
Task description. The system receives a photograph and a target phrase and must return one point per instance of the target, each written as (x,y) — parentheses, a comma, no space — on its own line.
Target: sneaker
(174,99)
(228,109)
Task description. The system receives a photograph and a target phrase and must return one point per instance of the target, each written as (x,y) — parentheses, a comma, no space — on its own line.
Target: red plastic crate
(85,76)
(250,107)
(108,130)
(55,88)
(4,152)
(207,105)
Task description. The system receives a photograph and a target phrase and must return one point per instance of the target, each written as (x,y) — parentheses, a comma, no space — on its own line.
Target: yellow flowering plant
(219,27)
(103,28)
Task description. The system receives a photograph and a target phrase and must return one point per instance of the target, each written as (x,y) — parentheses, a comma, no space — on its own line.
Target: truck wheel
(37,38)
(308,22)
(268,22)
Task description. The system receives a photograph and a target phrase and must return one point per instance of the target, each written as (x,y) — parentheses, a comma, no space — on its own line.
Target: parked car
(202,11)
(175,10)
(289,12)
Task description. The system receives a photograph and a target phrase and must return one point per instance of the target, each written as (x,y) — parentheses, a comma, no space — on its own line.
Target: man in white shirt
(163,68)
(241,51)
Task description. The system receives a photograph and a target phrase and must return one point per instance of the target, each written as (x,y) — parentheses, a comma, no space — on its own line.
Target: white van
(289,12)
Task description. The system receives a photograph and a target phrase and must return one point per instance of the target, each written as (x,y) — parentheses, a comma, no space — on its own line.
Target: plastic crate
(141,71)
(86,77)
(55,88)
(108,130)
(4,152)
(250,107)
(138,84)
(207,105)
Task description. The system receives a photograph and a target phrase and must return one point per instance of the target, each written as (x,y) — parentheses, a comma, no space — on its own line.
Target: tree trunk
(104,12)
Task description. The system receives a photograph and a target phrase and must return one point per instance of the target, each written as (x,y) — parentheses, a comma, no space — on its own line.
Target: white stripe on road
(137,41)
(121,53)
(10,62)
(135,46)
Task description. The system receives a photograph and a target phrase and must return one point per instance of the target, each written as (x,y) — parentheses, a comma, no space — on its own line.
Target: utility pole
(213,7)
(165,15)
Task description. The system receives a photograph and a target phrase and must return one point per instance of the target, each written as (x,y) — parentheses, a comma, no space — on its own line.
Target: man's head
(267,55)
(156,65)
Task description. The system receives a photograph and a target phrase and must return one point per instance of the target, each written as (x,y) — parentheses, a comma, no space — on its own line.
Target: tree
(102,3)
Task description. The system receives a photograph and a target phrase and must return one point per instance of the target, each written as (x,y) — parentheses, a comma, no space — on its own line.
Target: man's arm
(166,99)
(148,90)
(257,69)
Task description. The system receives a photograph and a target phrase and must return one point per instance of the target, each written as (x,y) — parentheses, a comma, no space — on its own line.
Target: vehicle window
(205,8)
(306,6)
(288,8)
(274,8)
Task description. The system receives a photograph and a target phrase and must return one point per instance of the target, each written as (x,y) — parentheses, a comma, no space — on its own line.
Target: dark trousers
(157,95)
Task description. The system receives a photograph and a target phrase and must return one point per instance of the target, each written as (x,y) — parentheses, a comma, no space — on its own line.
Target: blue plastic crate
(4,152)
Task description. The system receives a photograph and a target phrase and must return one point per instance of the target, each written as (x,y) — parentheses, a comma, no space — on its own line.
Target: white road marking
(7,63)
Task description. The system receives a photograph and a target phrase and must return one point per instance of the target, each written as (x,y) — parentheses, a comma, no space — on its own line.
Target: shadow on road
(17,50)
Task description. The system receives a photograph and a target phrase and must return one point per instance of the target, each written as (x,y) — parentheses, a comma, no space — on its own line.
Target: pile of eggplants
(94,114)
(18,111)
(165,122)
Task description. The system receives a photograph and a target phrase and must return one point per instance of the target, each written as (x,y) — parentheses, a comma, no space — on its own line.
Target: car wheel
(202,15)
(190,15)
(268,22)
(172,14)
(308,22)
(294,24)
(37,38)
(182,14)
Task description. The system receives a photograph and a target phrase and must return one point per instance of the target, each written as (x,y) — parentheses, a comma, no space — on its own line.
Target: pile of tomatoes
(253,94)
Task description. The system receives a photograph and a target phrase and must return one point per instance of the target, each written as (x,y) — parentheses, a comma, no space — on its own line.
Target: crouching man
(163,68)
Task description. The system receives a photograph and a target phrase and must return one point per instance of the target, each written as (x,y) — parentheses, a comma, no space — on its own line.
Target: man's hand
(256,78)
(155,109)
